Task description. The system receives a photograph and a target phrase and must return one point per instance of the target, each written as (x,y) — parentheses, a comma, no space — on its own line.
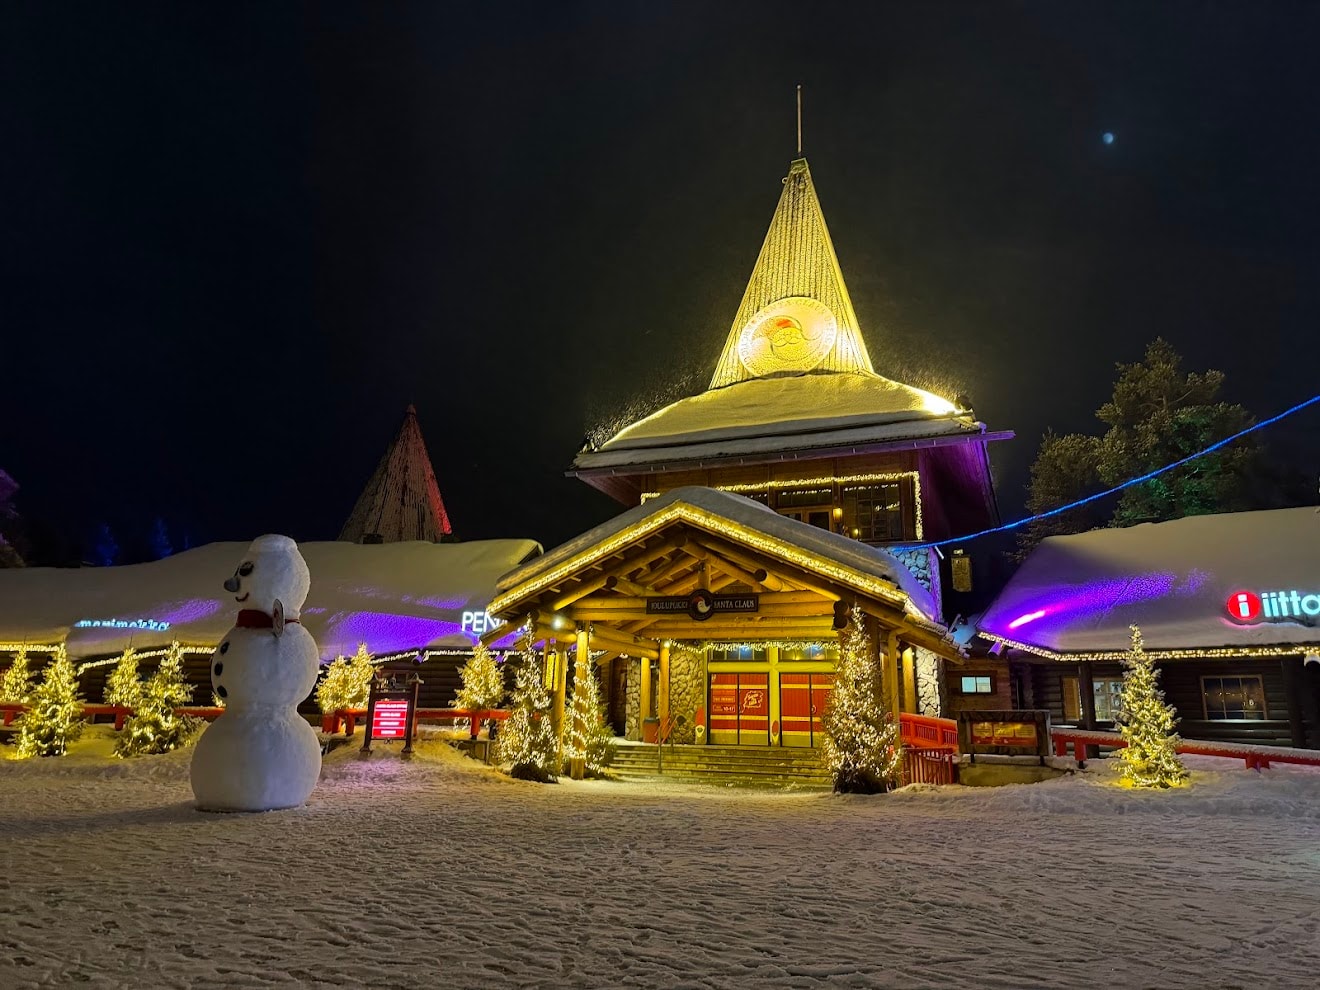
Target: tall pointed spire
(402,499)
(795,316)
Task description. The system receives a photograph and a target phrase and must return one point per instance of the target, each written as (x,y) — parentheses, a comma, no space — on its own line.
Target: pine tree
(483,683)
(527,740)
(347,682)
(588,738)
(861,747)
(159,540)
(54,716)
(1146,723)
(17,682)
(154,726)
(122,687)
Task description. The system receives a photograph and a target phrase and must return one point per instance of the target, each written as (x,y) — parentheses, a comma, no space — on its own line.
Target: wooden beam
(710,560)
(747,559)
(613,639)
(581,591)
(616,583)
(657,578)
(605,603)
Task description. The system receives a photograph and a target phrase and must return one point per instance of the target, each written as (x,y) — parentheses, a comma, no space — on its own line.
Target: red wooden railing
(930,748)
(1255,757)
(10,710)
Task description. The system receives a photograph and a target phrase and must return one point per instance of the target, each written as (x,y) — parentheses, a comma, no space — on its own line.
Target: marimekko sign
(702,604)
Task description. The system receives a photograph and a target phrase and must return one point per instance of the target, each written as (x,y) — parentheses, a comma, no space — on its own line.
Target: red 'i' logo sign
(1243,606)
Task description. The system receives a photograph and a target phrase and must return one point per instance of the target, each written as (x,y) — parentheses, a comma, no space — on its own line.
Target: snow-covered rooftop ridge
(1079,594)
(393,596)
(744,512)
(782,405)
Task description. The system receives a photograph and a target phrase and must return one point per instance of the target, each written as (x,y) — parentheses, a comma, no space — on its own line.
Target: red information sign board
(390,719)
(390,710)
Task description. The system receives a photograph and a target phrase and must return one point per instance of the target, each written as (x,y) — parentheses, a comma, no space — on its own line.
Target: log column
(577,767)
(1086,692)
(662,705)
(559,684)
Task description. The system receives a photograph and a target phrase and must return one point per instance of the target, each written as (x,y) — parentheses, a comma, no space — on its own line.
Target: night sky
(238,239)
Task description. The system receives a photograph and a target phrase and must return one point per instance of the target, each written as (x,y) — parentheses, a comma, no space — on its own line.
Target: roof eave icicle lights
(796,315)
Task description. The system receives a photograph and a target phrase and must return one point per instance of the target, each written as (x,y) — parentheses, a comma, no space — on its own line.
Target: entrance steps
(734,766)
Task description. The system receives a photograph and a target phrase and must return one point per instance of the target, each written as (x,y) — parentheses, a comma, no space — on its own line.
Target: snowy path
(437,874)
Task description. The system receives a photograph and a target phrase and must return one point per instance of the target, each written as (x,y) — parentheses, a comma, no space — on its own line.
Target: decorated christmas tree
(1146,722)
(54,717)
(588,737)
(347,682)
(861,747)
(483,683)
(527,739)
(154,726)
(122,687)
(17,682)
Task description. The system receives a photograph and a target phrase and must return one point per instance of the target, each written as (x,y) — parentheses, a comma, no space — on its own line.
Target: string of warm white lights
(1117,488)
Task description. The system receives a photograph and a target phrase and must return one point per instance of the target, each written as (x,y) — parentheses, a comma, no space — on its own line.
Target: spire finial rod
(799,119)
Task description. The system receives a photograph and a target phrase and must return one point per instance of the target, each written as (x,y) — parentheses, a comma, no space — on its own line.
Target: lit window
(1233,698)
(1108,698)
(877,512)
(977,684)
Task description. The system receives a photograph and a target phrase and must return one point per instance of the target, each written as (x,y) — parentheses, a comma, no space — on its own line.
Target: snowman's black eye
(224,647)
(245,569)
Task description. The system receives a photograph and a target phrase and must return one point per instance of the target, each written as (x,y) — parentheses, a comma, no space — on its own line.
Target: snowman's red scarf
(254,618)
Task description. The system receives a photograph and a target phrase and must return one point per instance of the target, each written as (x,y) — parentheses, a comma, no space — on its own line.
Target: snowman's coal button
(220,690)
(224,647)
(219,668)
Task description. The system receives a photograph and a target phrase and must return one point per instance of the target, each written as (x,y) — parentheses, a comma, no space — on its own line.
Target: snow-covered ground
(438,873)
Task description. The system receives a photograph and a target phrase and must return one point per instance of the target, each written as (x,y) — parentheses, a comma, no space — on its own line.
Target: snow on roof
(394,596)
(1079,594)
(767,414)
(868,561)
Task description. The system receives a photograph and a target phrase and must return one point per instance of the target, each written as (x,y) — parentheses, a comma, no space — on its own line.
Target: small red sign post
(392,710)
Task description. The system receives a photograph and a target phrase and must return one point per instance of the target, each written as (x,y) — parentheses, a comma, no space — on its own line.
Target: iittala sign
(1250,607)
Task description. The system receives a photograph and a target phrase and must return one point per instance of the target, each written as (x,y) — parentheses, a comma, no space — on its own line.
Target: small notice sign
(390,719)
(702,604)
(391,710)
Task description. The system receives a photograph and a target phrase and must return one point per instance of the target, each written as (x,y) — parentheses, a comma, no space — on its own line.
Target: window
(977,684)
(876,512)
(744,654)
(1233,698)
(1108,698)
(1072,700)
(809,498)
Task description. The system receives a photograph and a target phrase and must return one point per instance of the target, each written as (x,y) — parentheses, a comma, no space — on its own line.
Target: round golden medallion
(792,334)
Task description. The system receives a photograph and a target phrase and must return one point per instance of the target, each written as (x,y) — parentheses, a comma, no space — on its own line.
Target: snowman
(260,754)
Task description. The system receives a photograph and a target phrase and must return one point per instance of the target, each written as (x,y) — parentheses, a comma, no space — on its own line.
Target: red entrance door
(802,701)
(740,709)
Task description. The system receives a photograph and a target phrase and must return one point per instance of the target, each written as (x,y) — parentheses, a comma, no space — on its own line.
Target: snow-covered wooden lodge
(761,510)
(1229,606)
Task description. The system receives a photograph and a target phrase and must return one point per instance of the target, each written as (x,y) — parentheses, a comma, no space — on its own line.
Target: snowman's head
(272,568)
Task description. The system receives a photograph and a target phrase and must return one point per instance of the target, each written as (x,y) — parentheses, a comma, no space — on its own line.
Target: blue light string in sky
(1117,488)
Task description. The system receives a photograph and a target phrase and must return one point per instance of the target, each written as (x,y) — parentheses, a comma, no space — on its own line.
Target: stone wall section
(687,688)
(930,682)
(632,728)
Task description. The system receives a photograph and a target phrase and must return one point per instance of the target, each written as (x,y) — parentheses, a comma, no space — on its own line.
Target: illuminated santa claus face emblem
(792,334)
